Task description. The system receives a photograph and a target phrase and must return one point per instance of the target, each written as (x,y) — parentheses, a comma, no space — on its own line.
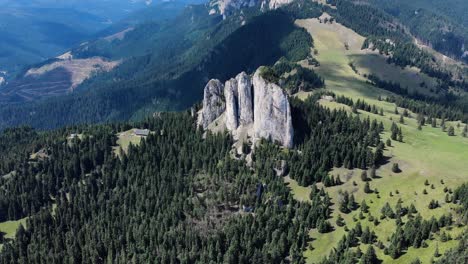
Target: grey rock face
(213,103)
(231,95)
(251,106)
(244,84)
(272,112)
(225,7)
(273,4)
(239,100)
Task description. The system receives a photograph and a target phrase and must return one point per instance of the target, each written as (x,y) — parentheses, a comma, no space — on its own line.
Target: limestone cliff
(272,112)
(244,84)
(213,103)
(273,4)
(252,107)
(231,95)
(226,7)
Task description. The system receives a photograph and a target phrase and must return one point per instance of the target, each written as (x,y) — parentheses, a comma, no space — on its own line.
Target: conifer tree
(451,131)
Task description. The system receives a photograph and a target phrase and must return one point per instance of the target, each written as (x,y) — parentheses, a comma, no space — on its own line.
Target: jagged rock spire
(252,104)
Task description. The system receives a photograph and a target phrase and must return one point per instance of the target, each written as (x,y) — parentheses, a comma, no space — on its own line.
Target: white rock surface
(244,86)
(225,7)
(213,103)
(249,108)
(278,3)
(231,95)
(272,112)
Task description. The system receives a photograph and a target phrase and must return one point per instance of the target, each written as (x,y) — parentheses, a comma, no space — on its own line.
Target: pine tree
(344,203)
(373,173)
(367,188)
(389,143)
(405,113)
(340,221)
(369,257)
(402,119)
(451,131)
(447,198)
(400,135)
(436,253)
(433,204)
(364,207)
(364,177)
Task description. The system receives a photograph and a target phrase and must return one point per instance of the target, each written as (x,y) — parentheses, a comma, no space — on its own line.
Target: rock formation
(226,7)
(250,105)
(213,103)
(231,95)
(272,112)
(273,4)
(244,84)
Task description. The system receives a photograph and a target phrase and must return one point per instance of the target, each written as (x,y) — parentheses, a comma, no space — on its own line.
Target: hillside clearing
(126,138)
(8,228)
(427,154)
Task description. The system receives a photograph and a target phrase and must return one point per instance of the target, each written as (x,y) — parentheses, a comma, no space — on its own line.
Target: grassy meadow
(125,139)
(8,228)
(427,154)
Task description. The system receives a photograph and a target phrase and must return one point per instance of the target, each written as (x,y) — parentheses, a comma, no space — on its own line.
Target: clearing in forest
(424,155)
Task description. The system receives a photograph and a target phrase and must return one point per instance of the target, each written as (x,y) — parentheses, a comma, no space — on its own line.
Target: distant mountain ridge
(33,31)
(167,61)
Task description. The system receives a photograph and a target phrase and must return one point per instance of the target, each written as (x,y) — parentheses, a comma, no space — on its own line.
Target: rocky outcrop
(231,95)
(226,7)
(213,103)
(252,106)
(272,112)
(273,4)
(244,84)
(239,101)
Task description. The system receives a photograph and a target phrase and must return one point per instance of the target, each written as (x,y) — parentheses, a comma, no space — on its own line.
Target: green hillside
(184,54)
(440,24)
(428,154)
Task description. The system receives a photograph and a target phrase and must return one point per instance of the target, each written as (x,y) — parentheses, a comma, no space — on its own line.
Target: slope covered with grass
(431,161)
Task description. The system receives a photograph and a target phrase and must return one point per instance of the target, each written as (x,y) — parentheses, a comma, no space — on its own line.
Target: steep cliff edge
(253,108)
(225,7)
(272,112)
(213,103)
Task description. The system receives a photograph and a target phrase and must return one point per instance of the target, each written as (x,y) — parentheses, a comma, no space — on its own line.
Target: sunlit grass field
(427,154)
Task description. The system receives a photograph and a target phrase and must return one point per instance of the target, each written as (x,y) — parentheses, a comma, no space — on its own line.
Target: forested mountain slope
(62,74)
(376,173)
(170,66)
(34,34)
(440,24)
(165,62)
